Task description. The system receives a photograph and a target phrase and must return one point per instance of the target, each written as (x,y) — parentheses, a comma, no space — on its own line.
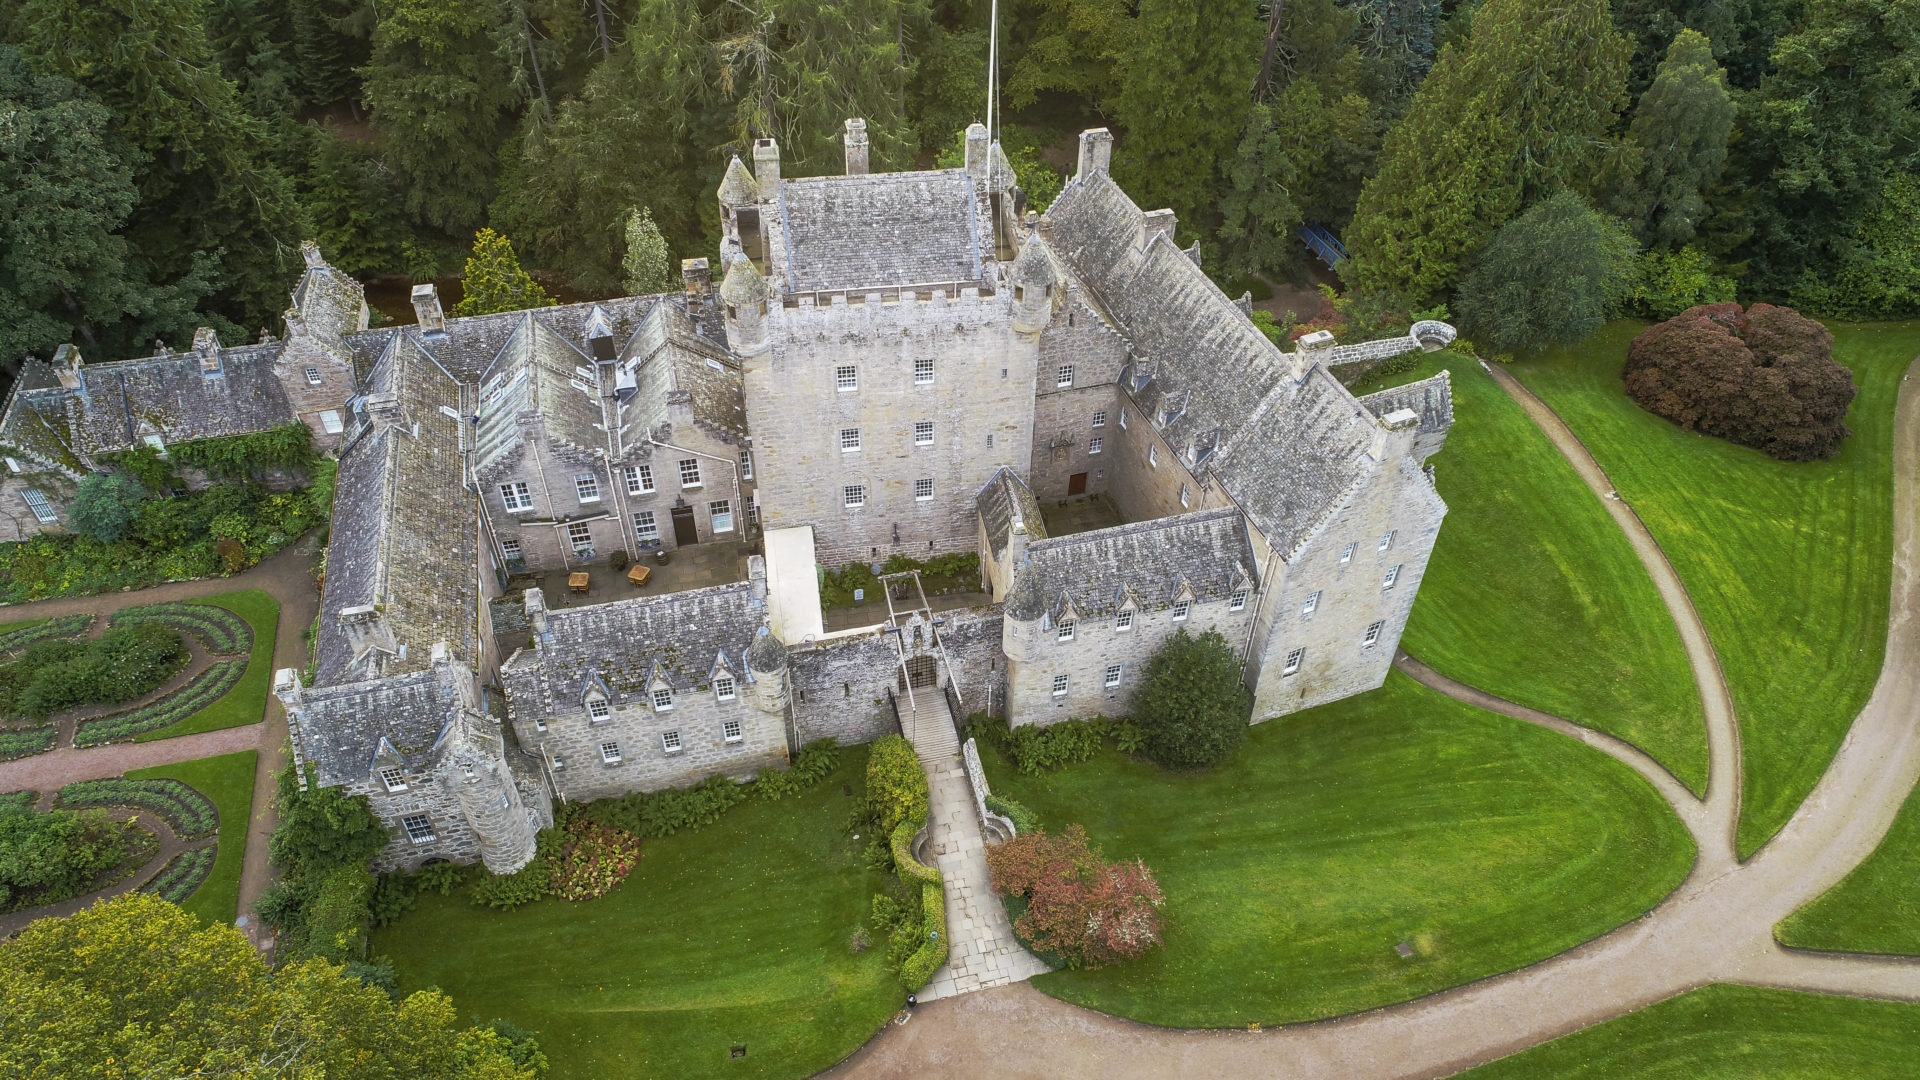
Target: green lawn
(8,628)
(1788,564)
(1874,909)
(1293,870)
(1725,1032)
(228,781)
(736,934)
(246,703)
(1534,594)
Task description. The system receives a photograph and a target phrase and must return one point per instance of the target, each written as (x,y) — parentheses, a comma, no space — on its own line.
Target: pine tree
(1681,127)
(1183,104)
(646,260)
(1400,34)
(324,56)
(358,217)
(1522,110)
(1549,277)
(1076,47)
(494,280)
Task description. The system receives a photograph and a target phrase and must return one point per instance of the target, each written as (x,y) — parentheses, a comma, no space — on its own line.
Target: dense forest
(161,160)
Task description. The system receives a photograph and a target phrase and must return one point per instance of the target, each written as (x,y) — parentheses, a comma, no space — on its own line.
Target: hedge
(183,875)
(1024,820)
(18,800)
(206,688)
(25,741)
(933,951)
(221,630)
(189,813)
(65,626)
(902,839)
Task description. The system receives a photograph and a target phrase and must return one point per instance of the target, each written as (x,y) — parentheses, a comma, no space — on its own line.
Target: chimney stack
(310,251)
(978,149)
(426,306)
(366,629)
(1096,152)
(698,276)
(536,603)
(206,345)
(66,365)
(856,140)
(1158,221)
(766,168)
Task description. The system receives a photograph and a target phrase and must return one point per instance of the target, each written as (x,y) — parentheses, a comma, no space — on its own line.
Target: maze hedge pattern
(65,626)
(183,874)
(190,814)
(205,689)
(221,630)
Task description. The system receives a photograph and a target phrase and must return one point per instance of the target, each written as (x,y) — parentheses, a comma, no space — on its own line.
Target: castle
(900,364)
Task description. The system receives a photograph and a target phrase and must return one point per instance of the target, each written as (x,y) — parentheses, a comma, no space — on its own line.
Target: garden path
(288,578)
(1717,927)
(170,845)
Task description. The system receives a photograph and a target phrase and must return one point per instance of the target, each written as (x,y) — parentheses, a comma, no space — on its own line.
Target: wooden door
(1077,484)
(684,532)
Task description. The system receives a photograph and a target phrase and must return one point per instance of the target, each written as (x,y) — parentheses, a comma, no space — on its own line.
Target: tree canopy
(494,280)
(1191,706)
(1551,276)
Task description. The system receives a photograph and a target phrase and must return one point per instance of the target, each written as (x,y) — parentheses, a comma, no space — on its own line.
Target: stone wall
(1145,475)
(1096,644)
(1062,422)
(435,794)
(645,764)
(840,688)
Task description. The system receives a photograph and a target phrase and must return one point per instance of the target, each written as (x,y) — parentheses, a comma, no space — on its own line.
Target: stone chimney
(1311,349)
(698,275)
(1158,221)
(426,306)
(66,365)
(1096,152)
(979,151)
(383,410)
(757,578)
(766,168)
(856,140)
(206,345)
(536,604)
(310,252)
(367,629)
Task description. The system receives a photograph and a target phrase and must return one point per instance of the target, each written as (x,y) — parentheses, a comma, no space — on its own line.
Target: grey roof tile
(1207,551)
(882,230)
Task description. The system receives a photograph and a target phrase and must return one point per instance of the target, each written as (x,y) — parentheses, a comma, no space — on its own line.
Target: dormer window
(159,445)
(598,710)
(1066,631)
(723,688)
(1181,610)
(393,778)
(1238,601)
(663,700)
(1124,620)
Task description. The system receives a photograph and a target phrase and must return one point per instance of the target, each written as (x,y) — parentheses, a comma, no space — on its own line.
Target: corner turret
(767,663)
(1033,281)
(744,294)
(1020,618)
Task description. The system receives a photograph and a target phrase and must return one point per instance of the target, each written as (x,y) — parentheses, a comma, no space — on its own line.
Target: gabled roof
(1004,501)
(883,230)
(347,724)
(666,358)
(1207,551)
(539,371)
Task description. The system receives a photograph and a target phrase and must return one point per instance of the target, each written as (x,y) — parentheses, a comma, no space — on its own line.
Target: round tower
(744,293)
(767,661)
(1020,618)
(1033,283)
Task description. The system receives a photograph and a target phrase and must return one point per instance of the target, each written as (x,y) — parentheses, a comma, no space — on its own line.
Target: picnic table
(638,576)
(577,581)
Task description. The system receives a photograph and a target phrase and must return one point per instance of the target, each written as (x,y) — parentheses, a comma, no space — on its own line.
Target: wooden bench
(577,582)
(638,576)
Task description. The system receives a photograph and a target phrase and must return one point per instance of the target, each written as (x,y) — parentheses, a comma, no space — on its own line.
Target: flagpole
(993,69)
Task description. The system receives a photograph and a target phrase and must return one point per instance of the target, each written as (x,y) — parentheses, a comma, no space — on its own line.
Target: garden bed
(30,631)
(183,875)
(246,703)
(227,781)
(25,742)
(221,631)
(187,812)
(205,688)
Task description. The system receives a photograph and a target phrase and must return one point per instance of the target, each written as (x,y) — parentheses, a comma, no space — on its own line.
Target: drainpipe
(740,512)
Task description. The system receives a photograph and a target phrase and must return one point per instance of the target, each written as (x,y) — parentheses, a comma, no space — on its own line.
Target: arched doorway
(920,671)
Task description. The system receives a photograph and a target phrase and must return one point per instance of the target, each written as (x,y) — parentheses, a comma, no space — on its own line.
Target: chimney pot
(206,344)
(1096,152)
(67,364)
(766,168)
(310,251)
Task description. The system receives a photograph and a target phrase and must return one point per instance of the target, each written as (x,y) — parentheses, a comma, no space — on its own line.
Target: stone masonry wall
(1062,423)
(840,688)
(1145,485)
(1095,645)
(645,764)
(430,793)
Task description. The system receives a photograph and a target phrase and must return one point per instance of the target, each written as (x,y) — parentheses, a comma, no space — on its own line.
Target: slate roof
(404,527)
(1431,397)
(470,345)
(538,370)
(881,230)
(344,725)
(668,357)
(1004,499)
(1207,551)
(625,643)
(1221,393)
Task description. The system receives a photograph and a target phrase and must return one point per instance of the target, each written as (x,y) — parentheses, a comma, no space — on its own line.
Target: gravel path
(1717,927)
(170,845)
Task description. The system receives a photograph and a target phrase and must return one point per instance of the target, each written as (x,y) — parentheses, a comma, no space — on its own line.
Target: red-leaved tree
(1079,906)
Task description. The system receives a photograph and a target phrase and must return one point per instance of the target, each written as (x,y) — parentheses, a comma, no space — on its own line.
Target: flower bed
(183,875)
(18,800)
(221,630)
(25,741)
(592,860)
(205,689)
(65,626)
(188,812)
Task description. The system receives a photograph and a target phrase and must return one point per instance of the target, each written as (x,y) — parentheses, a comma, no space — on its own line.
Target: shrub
(1764,378)
(508,891)
(1024,820)
(203,690)
(812,764)
(220,630)
(1035,749)
(187,812)
(1191,706)
(920,966)
(125,663)
(901,846)
(338,914)
(1079,907)
(895,783)
(592,860)
(49,857)
(183,875)
(1550,276)
(104,505)
(653,814)
(322,828)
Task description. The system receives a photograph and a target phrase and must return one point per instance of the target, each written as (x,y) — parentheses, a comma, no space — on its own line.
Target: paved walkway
(1717,927)
(288,578)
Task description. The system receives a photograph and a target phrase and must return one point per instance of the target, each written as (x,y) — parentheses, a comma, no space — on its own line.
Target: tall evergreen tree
(441,101)
(325,56)
(1681,127)
(252,39)
(359,216)
(494,280)
(1522,110)
(1184,102)
(1551,276)
(66,190)
(646,259)
(207,183)
(1399,34)
(1077,47)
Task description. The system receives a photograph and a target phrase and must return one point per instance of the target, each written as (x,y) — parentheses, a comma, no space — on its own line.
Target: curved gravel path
(1717,927)
(170,845)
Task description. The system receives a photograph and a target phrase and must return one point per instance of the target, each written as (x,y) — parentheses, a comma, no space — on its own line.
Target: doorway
(921,671)
(684,533)
(1077,484)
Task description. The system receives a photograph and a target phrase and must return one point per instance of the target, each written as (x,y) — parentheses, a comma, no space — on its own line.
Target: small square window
(1293,661)
(1064,377)
(1100,419)
(313,375)
(639,479)
(670,742)
(1312,603)
(1346,554)
(846,377)
(610,753)
(853,495)
(1113,676)
(720,513)
(1392,579)
(330,422)
(746,464)
(1386,539)
(1181,609)
(1372,636)
(922,490)
(730,730)
(510,548)
(394,779)
(989,441)
(1238,601)
(1065,632)
(663,700)
(419,827)
(923,433)
(753,513)
(849,439)
(723,688)
(539,723)
(923,372)
(1153,456)
(1059,685)
(644,526)
(588,485)
(516,497)
(1094,445)
(1123,621)
(689,472)
(598,710)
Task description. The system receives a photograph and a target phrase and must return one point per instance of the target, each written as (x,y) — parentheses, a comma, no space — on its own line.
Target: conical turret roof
(737,187)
